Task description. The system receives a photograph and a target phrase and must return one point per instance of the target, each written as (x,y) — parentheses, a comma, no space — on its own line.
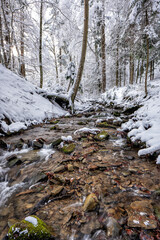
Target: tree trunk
(138,70)
(40,45)
(83,53)
(103,48)
(147,58)
(22,64)
(117,67)
(131,80)
(5,10)
(4,57)
(141,71)
(55,60)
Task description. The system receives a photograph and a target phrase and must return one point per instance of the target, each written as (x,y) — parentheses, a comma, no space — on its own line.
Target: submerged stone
(113,227)
(90,203)
(30,228)
(140,214)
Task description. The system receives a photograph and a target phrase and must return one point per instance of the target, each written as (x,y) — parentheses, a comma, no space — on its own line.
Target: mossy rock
(105,125)
(30,228)
(101,136)
(54,122)
(56,142)
(157,212)
(69,148)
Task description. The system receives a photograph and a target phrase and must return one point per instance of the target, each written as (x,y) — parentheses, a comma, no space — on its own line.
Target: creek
(37,177)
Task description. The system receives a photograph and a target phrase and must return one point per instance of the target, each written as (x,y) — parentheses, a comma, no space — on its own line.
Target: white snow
(67,139)
(87,130)
(21,103)
(146,222)
(136,221)
(32,220)
(145,123)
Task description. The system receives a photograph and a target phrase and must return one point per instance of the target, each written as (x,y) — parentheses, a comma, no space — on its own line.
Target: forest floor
(123,189)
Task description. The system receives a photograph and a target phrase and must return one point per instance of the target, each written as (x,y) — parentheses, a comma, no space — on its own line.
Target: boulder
(140,214)
(30,228)
(3,145)
(90,203)
(68,148)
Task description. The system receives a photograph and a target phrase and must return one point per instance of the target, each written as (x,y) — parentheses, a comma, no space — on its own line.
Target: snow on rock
(32,220)
(21,104)
(87,130)
(67,139)
(145,124)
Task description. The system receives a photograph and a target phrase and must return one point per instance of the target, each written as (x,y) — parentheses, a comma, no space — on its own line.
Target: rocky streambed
(82,178)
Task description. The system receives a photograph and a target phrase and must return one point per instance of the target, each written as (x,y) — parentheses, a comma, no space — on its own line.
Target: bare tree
(40,44)
(83,53)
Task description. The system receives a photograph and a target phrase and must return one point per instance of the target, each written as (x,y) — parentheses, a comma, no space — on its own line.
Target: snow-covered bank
(145,123)
(21,104)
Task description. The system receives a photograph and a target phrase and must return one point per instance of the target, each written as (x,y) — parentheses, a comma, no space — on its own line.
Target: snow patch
(32,220)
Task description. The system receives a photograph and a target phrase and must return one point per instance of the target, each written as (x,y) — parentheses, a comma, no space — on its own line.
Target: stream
(38,177)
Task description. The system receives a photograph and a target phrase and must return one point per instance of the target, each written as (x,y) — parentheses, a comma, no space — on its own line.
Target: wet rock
(30,228)
(113,228)
(56,142)
(91,226)
(130,157)
(11,157)
(157,211)
(125,173)
(99,235)
(101,136)
(14,162)
(38,178)
(92,167)
(19,144)
(68,148)
(90,203)
(140,214)
(57,190)
(3,144)
(70,167)
(59,169)
(105,125)
(37,145)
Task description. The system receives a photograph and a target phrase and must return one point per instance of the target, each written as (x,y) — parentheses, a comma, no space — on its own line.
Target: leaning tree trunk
(83,53)
(103,49)
(22,64)
(147,60)
(40,46)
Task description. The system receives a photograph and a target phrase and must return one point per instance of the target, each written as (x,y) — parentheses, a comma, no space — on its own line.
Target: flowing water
(111,169)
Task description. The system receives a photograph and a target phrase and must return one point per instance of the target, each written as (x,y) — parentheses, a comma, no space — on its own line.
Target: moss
(53,128)
(54,122)
(56,142)
(25,230)
(69,148)
(101,136)
(105,125)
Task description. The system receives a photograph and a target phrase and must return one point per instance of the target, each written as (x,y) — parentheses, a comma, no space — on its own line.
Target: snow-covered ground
(145,123)
(21,104)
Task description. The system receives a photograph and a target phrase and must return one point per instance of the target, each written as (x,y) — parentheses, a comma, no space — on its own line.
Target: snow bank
(145,124)
(21,104)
